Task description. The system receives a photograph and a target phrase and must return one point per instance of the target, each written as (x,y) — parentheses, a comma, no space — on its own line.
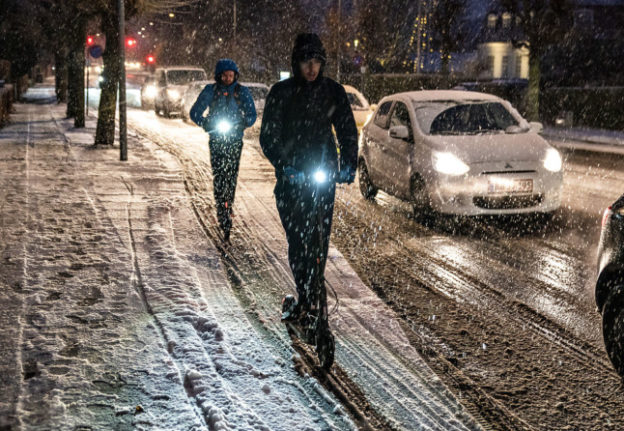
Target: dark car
(610,284)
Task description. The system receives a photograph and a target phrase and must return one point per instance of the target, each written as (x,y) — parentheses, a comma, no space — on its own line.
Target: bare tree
(543,22)
(446,16)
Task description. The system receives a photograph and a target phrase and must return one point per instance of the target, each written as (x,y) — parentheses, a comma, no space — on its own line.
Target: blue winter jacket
(241,113)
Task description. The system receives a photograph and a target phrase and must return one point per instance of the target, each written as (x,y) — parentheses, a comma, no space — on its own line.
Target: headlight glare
(449,164)
(552,161)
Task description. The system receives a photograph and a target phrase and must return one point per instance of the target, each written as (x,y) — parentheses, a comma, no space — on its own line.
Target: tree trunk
(533,95)
(105,132)
(75,103)
(60,75)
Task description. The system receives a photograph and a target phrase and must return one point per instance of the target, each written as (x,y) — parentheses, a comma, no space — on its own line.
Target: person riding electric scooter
(297,138)
(231,111)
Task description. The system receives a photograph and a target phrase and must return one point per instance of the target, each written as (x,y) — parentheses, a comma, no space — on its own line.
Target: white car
(458,152)
(190,96)
(259,93)
(171,83)
(359,105)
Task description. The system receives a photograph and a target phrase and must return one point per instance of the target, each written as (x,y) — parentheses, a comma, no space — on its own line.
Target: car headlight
(449,164)
(552,161)
(174,94)
(150,91)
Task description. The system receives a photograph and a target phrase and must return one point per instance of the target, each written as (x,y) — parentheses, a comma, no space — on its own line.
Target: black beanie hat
(307,46)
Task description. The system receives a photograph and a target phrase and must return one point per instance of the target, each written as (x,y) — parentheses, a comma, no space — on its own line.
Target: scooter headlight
(320,176)
(224,126)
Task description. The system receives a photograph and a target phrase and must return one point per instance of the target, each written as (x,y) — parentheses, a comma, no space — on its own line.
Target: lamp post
(123,136)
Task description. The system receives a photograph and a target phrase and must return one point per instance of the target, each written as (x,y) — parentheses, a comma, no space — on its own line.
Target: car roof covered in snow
(440,95)
(182,68)
(254,84)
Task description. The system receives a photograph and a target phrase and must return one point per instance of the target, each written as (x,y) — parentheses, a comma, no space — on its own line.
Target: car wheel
(368,190)
(613,327)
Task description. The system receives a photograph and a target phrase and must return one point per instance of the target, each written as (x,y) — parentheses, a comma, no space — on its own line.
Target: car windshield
(462,118)
(258,93)
(354,101)
(181,77)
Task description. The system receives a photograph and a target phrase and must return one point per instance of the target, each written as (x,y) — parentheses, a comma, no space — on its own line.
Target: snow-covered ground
(120,312)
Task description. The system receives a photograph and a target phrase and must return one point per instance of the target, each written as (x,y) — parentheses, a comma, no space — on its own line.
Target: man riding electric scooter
(297,138)
(231,111)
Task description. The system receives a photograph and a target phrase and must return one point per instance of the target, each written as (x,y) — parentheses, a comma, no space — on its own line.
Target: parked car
(259,93)
(362,110)
(190,96)
(609,291)
(148,93)
(458,152)
(171,83)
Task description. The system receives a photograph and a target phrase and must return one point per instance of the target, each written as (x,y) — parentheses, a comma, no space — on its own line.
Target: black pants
(225,157)
(299,207)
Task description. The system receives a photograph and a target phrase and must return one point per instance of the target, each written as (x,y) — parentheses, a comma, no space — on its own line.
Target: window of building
(490,64)
(505,66)
(492,20)
(506,20)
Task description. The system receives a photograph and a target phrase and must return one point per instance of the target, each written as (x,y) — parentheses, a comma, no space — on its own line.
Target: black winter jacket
(297,126)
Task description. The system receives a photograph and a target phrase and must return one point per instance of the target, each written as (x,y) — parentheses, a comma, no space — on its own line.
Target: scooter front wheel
(613,328)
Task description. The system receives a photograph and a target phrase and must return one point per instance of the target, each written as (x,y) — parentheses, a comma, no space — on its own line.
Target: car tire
(613,327)
(420,197)
(368,190)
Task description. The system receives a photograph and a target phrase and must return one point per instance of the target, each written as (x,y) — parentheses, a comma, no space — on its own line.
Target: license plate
(510,186)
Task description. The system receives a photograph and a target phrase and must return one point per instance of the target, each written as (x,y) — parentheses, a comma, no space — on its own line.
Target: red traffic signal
(90,40)
(150,59)
(131,42)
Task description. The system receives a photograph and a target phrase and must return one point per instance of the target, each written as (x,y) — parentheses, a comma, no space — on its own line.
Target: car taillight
(606,216)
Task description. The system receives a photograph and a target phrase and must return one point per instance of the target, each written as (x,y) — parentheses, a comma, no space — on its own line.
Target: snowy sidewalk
(117,313)
(586,139)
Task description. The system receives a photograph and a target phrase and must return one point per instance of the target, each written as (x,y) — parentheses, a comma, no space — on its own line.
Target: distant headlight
(150,91)
(552,161)
(174,94)
(449,164)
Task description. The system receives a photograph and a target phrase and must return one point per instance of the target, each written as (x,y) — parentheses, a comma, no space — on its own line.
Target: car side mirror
(536,126)
(399,132)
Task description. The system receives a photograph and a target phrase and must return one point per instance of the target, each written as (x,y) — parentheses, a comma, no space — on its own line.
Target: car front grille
(507,202)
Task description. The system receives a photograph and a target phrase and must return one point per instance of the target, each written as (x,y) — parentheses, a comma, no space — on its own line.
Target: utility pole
(123,135)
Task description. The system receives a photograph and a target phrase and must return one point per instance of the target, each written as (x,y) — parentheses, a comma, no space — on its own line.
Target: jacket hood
(307,46)
(223,65)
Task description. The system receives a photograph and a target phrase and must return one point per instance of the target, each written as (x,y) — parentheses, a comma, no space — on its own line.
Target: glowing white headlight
(150,91)
(224,126)
(552,161)
(449,164)
(320,176)
(174,94)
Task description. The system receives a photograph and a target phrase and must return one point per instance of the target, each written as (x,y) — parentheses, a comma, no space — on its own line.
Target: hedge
(597,107)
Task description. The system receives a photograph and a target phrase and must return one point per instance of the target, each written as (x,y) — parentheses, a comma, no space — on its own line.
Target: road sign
(96,51)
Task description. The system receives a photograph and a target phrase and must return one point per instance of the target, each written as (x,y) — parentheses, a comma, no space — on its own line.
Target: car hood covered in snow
(490,147)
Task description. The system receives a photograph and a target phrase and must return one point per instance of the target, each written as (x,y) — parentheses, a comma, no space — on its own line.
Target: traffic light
(150,59)
(90,40)
(131,42)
